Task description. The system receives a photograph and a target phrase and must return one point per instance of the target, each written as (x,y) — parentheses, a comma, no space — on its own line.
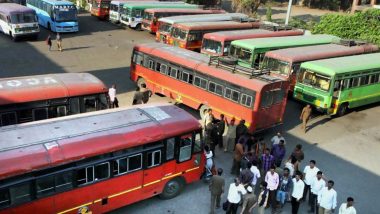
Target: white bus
(18,21)
(116,8)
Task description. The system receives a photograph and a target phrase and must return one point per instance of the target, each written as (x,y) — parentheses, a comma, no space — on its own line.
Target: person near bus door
(59,41)
(114,103)
(146,93)
(305,116)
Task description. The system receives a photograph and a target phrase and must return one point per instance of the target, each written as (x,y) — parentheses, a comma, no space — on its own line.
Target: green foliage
(361,26)
(269,13)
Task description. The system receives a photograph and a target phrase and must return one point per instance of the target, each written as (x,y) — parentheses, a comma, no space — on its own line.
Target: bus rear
(100,8)
(189,35)
(18,21)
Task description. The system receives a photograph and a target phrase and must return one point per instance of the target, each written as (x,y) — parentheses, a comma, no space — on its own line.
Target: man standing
(305,116)
(286,185)
(146,93)
(309,173)
(276,139)
(59,41)
(238,155)
(241,129)
(137,97)
(246,175)
(278,152)
(230,136)
(114,103)
(272,179)
(267,161)
(347,208)
(220,127)
(256,174)
(263,198)
(249,201)
(235,192)
(216,188)
(327,199)
(298,187)
(316,186)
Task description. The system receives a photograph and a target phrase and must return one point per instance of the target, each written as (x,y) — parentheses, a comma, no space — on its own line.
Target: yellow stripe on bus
(153,182)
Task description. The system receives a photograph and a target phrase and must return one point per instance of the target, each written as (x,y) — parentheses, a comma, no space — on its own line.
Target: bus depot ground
(346,149)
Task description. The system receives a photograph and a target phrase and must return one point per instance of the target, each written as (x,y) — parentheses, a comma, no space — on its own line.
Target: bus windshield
(276,66)
(313,79)
(66,15)
(148,16)
(164,27)
(114,7)
(241,53)
(20,18)
(179,34)
(104,5)
(212,46)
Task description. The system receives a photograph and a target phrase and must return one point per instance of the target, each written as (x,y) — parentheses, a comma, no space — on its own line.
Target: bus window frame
(46,111)
(5,113)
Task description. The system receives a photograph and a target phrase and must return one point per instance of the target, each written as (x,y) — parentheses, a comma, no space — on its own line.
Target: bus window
(45,186)
(154,158)
(163,68)
(8,118)
(346,83)
(4,198)
(138,58)
(102,102)
(170,144)
(63,181)
(120,166)
(89,104)
(102,171)
(134,162)
(40,114)
(85,175)
(355,82)
(185,149)
(20,193)
(198,143)
(25,115)
(74,106)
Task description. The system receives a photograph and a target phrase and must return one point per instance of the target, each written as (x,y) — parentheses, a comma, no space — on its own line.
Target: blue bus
(55,15)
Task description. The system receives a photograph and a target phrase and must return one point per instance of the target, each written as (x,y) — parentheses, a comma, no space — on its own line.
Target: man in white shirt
(309,173)
(327,199)
(112,95)
(317,185)
(347,208)
(276,139)
(272,179)
(256,174)
(298,187)
(235,192)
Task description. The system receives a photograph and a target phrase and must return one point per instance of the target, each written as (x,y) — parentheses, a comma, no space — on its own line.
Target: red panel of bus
(100,8)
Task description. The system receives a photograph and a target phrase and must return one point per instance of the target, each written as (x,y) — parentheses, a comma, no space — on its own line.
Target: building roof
(252,44)
(343,65)
(215,25)
(9,8)
(72,138)
(203,18)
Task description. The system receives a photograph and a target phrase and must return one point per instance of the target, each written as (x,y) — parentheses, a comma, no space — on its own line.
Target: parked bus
(285,63)
(134,11)
(30,98)
(165,24)
(336,85)
(150,20)
(186,77)
(100,8)
(218,43)
(18,21)
(250,53)
(189,35)
(56,15)
(116,8)
(97,162)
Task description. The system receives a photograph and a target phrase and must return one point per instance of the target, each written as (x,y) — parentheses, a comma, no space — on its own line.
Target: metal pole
(289,11)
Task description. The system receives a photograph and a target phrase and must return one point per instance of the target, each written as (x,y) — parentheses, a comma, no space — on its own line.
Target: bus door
(336,94)
(153,168)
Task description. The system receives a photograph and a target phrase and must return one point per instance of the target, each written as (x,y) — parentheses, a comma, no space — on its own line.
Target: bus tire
(202,109)
(138,27)
(342,109)
(172,188)
(141,81)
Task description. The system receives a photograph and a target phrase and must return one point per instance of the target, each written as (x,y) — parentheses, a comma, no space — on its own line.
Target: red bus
(97,162)
(30,98)
(100,8)
(285,63)
(218,43)
(150,21)
(189,35)
(188,78)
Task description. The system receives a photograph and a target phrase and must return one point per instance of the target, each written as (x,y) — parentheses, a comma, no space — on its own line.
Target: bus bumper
(26,34)
(66,29)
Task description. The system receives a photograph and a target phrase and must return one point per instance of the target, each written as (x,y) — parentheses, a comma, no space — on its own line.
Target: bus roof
(146,5)
(198,61)
(308,53)
(11,8)
(49,86)
(248,34)
(64,140)
(126,1)
(284,41)
(203,18)
(179,10)
(59,2)
(341,65)
(214,25)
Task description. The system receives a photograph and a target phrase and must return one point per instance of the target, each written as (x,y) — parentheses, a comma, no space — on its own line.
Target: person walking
(114,103)
(327,199)
(235,192)
(263,198)
(278,152)
(137,97)
(297,193)
(277,138)
(48,42)
(348,207)
(216,188)
(249,201)
(316,186)
(305,116)
(241,129)
(58,38)
(290,165)
(146,93)
(286,184)
(238,155)
(230,136)
(272,179)
(221,124)
(299,155)
(256,174)
(309,173)
(267,160)
(246,175)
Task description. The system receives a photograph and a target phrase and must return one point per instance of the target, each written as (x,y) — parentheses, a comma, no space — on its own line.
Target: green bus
(249,53)
(133,12)
(335,85)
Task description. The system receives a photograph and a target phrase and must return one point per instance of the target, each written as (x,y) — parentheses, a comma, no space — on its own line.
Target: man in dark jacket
(216,188)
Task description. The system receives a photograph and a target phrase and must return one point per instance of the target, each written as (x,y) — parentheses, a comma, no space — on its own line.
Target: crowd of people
(265,170)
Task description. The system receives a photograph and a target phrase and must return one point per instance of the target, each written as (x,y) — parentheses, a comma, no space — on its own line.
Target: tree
(249,6)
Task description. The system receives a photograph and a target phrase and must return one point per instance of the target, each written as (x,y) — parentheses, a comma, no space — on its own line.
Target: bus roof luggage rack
(230,64)
(240,19)
(350,42)
(273,27)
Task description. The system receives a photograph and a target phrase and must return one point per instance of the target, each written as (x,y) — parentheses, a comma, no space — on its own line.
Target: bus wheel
(140,81)
(202,111)
(172,189)
(138,27)
(342,110)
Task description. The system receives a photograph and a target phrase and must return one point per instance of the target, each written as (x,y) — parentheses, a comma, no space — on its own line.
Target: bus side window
(198,145)
(25,115)
(134,162)
(89,104)
(63,181)
(8,118)
(154,158)
(20,193)
(85,175)
(346,83)
(40,114)
(185,148)
(170,146)
(45,186)
(74,105)
(102,102)
(102,171)
(4,198)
